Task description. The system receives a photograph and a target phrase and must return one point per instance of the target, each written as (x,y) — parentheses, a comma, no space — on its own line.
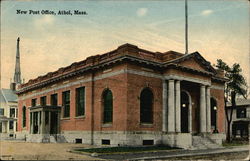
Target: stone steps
(203,142)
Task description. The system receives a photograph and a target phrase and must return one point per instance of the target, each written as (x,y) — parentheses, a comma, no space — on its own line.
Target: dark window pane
(108,106)
(66,103)
(80,101)
(33,102)
(12,112)
(1,111)
(24,116)
(43,101)
(146,103)
(241,113)
(53,100)
(11,125)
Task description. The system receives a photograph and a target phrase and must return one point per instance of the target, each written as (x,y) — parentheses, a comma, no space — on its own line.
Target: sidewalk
(173,153)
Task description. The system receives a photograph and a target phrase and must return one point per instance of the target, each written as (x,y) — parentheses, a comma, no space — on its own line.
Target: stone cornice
(98,62)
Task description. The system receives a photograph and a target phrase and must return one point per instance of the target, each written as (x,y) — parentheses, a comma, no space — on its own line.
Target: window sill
(146,124)
(107,125)
(65,118)
(80,117)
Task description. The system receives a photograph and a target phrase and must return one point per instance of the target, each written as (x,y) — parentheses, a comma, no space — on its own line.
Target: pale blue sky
(217,29)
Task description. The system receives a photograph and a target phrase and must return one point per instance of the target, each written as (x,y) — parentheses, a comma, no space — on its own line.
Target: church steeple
(17,74)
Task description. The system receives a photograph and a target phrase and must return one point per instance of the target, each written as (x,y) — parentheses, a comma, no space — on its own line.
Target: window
(80,101)
(146,106)
(105,142)
(11,125)
(24,116)
(53,99)
(1,111)
(66,103)
(107,106)
(43,101)
(33,102)
(12,112)
(241,113)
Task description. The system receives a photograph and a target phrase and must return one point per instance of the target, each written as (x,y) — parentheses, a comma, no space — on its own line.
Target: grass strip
(124,149)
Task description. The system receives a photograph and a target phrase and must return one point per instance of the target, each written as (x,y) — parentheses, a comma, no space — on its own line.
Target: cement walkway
(173,153)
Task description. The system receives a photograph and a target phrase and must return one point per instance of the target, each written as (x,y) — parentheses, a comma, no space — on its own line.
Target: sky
(218,29)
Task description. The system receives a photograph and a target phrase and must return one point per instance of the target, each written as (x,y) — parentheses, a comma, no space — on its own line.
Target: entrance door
(184,112)
(54,123)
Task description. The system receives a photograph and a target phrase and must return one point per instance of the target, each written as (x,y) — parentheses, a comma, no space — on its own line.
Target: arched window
(24,116)
(107,106)
(146,106)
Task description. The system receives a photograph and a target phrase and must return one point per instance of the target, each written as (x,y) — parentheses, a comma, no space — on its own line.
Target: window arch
(107,97)
(146,106)
(24,116)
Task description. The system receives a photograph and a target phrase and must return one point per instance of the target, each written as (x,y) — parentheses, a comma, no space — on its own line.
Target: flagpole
(186,28)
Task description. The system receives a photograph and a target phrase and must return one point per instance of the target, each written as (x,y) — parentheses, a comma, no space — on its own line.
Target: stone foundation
(119,138)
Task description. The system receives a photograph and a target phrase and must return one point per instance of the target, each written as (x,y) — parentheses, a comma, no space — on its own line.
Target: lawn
(235,143)
(123,149)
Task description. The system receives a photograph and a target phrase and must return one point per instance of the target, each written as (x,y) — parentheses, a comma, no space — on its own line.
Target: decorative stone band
(190,79)
(114,73)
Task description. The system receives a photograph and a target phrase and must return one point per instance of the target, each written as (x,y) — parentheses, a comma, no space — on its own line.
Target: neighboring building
(129,96)
(8,103)
(8,113)
(241,119)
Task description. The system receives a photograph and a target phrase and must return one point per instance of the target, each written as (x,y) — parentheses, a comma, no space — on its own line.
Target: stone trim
(122,71)
(217,87)
(177,77)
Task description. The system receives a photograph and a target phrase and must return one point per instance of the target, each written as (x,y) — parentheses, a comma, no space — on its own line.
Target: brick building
(129,96)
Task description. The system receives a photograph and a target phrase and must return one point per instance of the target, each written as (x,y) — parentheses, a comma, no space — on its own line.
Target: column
(190,116)
(171,105)
(31,122)
(177,107)
(49,122)
(43,122)
(38,123)
(208,109)
(164,106)
(202,109)
(14,125)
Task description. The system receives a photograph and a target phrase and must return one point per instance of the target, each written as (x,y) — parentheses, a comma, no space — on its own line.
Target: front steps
(46,138)
(204,142)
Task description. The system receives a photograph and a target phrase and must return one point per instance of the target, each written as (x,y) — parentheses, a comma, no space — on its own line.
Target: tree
(235,86)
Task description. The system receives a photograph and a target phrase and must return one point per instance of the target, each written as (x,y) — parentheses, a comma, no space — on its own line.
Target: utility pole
(186,27)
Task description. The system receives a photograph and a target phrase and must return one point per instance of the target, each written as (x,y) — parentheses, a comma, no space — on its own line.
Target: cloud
(44,21)
(141,12)
(206,12)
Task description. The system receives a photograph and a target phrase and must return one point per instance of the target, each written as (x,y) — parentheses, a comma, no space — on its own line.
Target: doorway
(54,123)
(184,112)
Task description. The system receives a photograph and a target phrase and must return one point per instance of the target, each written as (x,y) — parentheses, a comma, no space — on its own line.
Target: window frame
(12,112)
(33,102)
(107,111)
(43,101)
(80,103)
(1,111)
(53,100)
(66,105)
(239,113)
(145,117)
